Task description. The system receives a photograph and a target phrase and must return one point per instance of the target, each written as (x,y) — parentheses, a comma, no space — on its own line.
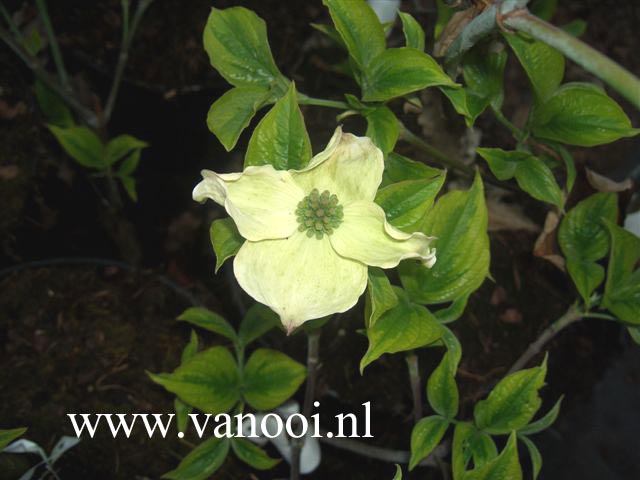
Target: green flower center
(319,213)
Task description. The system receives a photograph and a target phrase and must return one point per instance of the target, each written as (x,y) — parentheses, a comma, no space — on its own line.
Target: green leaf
(622,289)
(230,114)
(182,414)
(445,12)
(584,239)
(252,455)
(531,173)
(545,9)
(8,436)
(580,114)
(442,391)
(129,164)
(406,203)
(270,378)
(460,451)
(452,312)
(544,422)
(225,239)
(470,443)
(534,454)
(403,327)
(258,321)
(398,71)
(463,105)
(570,166)
(512,403)
(398,168)
(121,146)
(453,347)
(398,474)
(202,461)
(505,466)
(129,185)
(203,318)
(359,28)
(190,348)
(413,32)
(182,409)
(236,41)
(426,436)
(54,109)
(33,42)
(459,223)
(330,32)
(382,128)
(635,334)
(82,145)
(577,27)
(544,64)
(380,296)
(484,78)
(209,381)
(280,139)
(482,447)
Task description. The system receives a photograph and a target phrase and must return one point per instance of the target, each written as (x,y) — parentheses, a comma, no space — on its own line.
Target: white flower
(311,233)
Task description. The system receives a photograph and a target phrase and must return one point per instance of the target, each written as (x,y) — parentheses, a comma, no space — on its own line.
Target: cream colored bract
(303,266)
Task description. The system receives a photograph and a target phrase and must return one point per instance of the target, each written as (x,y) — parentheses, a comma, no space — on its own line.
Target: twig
(442,158)
(128,32)
(381,453)
(438,155)
(416,389)
(53,42)
(87,115)
(12,25)
(313,358)
(321,102)
(313,343)
(518,134)
(572,315)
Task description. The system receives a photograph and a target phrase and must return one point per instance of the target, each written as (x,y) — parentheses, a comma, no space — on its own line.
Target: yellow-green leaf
(459,222)
(622,288)
(225,239)
(209,381)
(580,114)
(281,138)
(271,378)
(403,327)
(230,114)
(236,41)
(398,71)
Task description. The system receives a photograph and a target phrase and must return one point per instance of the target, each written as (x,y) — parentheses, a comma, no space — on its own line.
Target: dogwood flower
(311,233)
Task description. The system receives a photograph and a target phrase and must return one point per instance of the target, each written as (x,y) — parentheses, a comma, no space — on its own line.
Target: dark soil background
(88,301)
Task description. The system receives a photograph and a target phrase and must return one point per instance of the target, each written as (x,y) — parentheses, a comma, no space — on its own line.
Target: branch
(313,343)
(321,102)
(572,315)
(128,32)
(414,377)
(438,155)
(618,78)
(383,454)
(53,42)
